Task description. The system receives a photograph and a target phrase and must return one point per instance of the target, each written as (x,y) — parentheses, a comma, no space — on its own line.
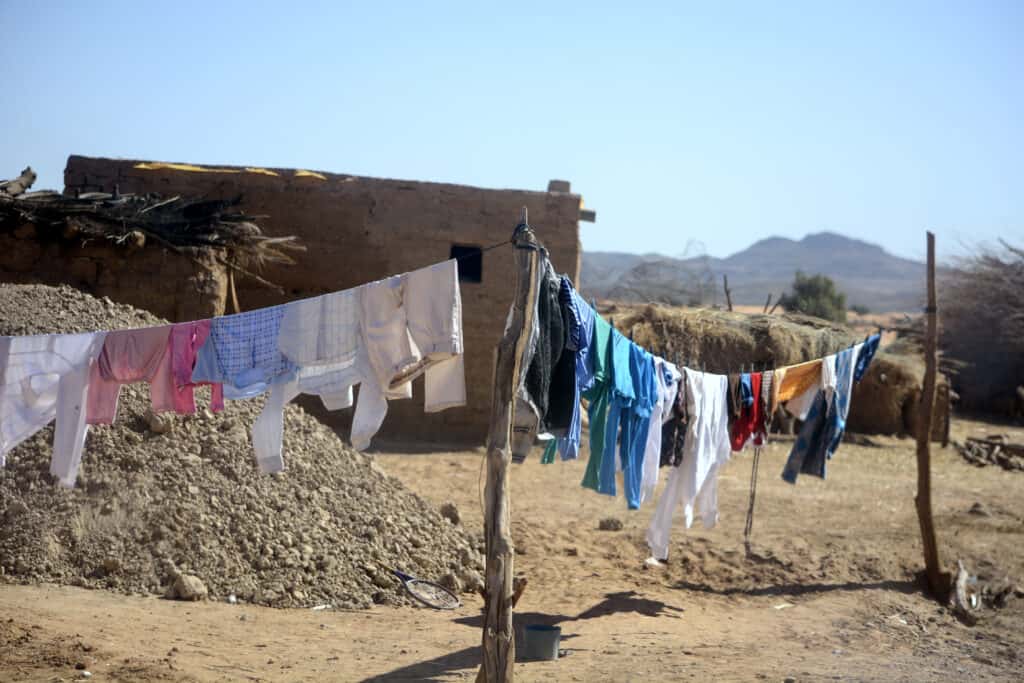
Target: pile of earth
(164,497)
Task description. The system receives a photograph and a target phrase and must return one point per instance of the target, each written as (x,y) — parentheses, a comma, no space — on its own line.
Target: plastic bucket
(541,642)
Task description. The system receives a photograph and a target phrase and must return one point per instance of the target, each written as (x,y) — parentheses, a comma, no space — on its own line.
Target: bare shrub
(983,327)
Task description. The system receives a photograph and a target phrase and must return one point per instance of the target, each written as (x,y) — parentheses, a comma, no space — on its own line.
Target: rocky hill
(869,275)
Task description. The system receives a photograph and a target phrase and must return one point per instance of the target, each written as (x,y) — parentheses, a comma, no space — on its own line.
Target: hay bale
(887,399)
(723,341)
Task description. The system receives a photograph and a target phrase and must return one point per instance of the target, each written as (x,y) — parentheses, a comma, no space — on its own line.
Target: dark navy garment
(826,422)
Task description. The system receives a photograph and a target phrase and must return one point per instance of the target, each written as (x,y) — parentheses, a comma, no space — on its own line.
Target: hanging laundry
(747,424)
(826,421)
(584,350)
(795,380)
(667,377)
(42,378)
(867,353)
(767,407)
(673,433)
(542,381)
(734,398)
(599,396)
(636,424)
(694,484)
(241,353)
(798,386)
(183,346)
(379,336)
(130,356)
(621,397)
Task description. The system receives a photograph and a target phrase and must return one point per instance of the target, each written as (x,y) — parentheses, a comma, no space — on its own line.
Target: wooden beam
(510,369)
(728,294)
(938,581)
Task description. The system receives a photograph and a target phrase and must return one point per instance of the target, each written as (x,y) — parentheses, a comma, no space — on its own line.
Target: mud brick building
(358,229)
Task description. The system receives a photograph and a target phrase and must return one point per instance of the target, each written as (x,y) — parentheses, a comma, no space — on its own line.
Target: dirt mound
(183,494)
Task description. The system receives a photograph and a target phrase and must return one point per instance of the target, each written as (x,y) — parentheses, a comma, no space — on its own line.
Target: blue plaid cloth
(242,353)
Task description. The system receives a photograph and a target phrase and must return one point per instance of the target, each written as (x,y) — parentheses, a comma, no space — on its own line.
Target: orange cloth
(794,380)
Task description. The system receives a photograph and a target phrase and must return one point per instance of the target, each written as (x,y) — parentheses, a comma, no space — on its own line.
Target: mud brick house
(358,229)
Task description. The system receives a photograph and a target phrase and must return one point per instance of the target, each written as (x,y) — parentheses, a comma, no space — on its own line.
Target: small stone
(572,551)
(789,679)
(610,524)
(472,582)
(15,509)
(189,587)
(158,423)
(451,582)
(979,510)
(450,512)
(86,674)
(232,599)
(111,565)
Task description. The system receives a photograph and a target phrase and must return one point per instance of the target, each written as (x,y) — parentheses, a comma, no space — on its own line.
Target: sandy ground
(828,593)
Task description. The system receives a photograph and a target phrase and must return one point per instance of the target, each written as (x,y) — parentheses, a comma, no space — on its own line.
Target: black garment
(673,432)
(551,377)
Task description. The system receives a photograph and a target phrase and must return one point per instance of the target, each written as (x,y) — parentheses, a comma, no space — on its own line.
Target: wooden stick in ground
(938,581)
(498,634)
(767,303)
(728,294)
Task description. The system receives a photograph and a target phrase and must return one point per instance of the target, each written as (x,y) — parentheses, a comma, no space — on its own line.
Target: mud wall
(186,285)
(358,229)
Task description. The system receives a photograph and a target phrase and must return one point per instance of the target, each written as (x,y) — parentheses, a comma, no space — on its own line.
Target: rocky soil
(164,500)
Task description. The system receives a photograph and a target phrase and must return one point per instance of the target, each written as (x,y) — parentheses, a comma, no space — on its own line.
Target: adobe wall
(177,286)
(358,229)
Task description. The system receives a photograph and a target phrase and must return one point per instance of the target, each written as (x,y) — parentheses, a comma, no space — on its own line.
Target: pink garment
(183,346)
(129,356)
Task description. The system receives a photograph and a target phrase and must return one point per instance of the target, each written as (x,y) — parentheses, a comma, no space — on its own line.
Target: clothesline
(380,335)
(645,412)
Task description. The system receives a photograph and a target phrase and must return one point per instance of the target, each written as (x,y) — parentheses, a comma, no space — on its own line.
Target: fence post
(510,369)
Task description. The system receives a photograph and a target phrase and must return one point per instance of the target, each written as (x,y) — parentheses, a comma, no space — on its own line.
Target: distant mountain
(866,273)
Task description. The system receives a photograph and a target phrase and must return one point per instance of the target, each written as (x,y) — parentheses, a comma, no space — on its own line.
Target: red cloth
(751,418)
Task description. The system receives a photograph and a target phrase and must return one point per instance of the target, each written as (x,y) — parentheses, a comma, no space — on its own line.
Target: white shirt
(694,484)
(46,377)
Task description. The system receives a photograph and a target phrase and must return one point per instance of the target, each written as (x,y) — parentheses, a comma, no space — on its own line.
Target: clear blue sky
(717,122)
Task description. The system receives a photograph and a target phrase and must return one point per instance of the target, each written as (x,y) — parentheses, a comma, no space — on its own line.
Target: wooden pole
(938,581)
(728,294)
(498,633)
(767,303)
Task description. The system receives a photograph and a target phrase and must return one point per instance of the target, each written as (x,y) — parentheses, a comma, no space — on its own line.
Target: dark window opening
(471,262)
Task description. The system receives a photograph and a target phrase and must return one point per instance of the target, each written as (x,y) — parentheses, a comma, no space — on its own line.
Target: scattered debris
(610,524)
(993,450)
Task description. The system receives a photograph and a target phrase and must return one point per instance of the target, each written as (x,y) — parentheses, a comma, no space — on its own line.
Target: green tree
(815,295)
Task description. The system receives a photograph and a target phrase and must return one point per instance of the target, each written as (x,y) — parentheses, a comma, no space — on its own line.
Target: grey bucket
(541,642)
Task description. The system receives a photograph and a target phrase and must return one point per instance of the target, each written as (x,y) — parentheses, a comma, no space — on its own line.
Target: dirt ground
(828,593)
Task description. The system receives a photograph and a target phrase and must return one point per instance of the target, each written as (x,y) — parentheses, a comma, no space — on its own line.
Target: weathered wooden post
(510,370)
(938,581)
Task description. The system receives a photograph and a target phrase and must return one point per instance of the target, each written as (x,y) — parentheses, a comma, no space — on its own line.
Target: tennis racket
(427,592)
